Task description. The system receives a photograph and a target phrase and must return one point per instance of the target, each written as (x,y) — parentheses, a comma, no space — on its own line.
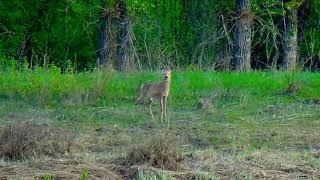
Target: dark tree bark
(304,12)
(29,52)
(103,41)
(163,30)
(242,36)
(290,40)
(123,33)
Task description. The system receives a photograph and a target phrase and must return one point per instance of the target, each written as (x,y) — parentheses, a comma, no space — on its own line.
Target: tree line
(136,34)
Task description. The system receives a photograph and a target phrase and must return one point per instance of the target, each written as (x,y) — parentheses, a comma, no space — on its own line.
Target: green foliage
(59,31)
(310,45)
(44,177)
(161,32)
(84,174)
(294,4)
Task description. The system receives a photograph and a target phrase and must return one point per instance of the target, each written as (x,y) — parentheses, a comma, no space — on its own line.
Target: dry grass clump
(293,88)
(21,140)
(159,153)
(138,154)
(205,104)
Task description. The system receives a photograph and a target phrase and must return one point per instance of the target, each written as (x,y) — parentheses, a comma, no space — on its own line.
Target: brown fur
(151,91)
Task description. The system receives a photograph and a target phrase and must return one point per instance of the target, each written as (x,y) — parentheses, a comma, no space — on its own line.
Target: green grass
(247,112)
(253,106)
(109,93)
(112,88)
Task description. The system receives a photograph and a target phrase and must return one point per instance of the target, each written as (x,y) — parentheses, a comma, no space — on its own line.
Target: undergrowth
(48,86)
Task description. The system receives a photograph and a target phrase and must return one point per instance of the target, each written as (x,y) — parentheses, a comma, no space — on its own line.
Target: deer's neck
(166,81)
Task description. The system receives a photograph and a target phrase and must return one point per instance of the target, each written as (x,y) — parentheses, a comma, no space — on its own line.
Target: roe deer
(150,91)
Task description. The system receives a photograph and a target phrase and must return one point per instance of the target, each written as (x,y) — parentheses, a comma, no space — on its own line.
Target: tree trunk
(121,49)
(102,41)
(290,40)
(29,52)
(242,36)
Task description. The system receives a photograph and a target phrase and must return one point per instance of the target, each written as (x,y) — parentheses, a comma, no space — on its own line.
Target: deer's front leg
(162,108)
(165,105)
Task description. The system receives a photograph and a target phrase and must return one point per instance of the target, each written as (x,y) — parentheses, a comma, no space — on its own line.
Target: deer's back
(155,90)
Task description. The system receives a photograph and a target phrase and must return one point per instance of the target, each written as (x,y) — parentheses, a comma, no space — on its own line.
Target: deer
(151,90)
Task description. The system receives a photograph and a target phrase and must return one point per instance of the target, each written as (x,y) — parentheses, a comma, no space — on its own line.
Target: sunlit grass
(112,88)
(244,104)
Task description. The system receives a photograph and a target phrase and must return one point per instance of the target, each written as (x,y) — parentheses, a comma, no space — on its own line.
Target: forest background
(80,35)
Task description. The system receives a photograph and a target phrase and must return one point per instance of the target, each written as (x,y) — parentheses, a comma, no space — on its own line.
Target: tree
(123,33)
(290,35)
(242,36)
(177,32)
(290,40)
(103,43)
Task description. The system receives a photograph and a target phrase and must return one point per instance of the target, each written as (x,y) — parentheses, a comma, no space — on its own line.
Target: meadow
(221,125)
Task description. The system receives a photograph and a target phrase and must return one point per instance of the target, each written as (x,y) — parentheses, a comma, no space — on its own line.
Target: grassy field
(221,125)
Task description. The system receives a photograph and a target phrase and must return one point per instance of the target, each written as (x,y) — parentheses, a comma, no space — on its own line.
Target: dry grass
(205,104)
(21,140)
(57,169)
(260,164)
(159,153)
(160,158)
(154,173)
(293,88)
(138,154)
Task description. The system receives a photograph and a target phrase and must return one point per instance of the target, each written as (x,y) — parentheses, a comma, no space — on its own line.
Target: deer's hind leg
(149,107)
